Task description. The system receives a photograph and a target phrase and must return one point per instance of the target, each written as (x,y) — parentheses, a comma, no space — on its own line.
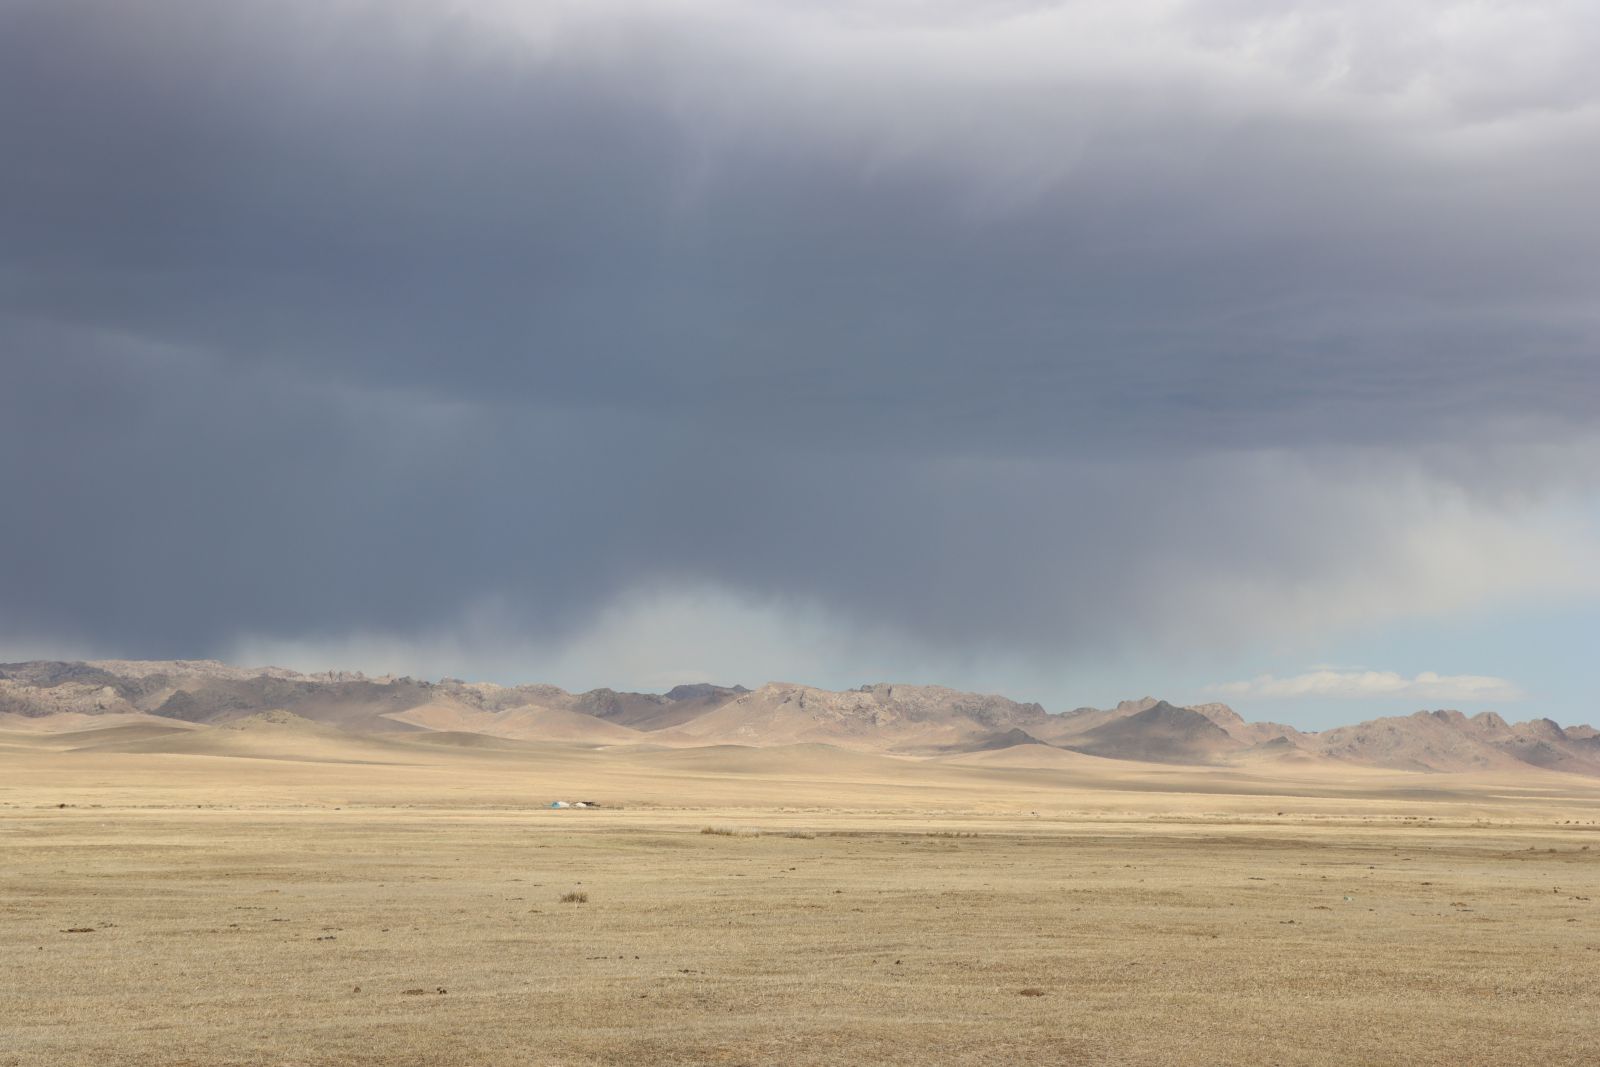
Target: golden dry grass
(398,902)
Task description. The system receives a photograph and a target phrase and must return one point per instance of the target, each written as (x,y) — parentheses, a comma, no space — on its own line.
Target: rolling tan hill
(525,723)
(1082,720)
(1451,741)
(1158,734)
(159,735)
(890,718)
(274,735)
(71,721)
(1251,733)
(651,711)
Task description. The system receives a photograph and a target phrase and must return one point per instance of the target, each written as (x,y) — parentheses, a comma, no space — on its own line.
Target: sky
(1236,350)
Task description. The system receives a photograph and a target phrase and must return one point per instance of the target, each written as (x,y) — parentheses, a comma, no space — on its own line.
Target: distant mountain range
(907,720)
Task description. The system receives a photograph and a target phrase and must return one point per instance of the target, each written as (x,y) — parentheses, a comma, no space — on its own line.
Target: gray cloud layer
(1051,328)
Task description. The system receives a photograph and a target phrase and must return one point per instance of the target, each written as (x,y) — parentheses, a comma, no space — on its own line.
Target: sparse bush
(575,897)
(803,836)
(723,831)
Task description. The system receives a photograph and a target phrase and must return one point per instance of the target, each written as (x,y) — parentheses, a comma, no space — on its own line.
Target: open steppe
(288,894)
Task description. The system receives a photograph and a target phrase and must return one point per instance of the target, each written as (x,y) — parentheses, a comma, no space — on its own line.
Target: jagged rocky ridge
(900,719)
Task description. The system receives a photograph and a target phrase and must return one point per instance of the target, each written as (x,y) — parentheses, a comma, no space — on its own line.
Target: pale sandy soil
(267,898)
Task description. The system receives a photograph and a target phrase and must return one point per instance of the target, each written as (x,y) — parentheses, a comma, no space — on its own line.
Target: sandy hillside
(525,723)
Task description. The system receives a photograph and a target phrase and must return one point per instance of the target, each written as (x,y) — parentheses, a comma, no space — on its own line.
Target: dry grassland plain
(297,899)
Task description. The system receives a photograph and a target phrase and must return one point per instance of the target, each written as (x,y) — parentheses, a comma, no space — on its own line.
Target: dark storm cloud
(323,317)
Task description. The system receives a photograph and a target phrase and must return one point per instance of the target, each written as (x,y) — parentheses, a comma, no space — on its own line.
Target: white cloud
(669,635)
(1451,67)
(650,639)
(1365,685)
